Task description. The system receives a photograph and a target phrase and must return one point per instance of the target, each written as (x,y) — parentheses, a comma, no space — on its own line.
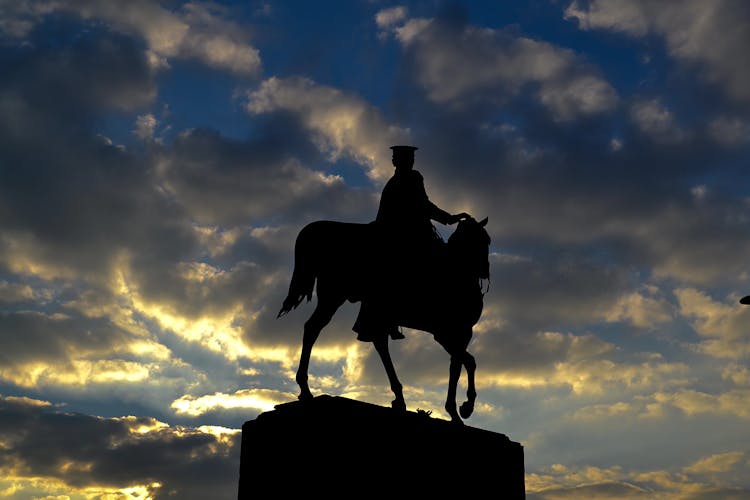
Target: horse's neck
(457,261)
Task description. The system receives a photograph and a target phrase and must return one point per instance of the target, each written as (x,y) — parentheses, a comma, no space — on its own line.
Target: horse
(337,255)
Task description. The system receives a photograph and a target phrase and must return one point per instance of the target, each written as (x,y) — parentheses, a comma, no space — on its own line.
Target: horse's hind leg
(319,319)
(450,402)
(467,408)
(381,346)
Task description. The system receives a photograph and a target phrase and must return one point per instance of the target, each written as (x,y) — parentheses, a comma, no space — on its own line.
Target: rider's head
(403,157)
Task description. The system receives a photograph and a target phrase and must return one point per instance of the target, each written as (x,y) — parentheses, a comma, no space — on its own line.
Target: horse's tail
(303,276)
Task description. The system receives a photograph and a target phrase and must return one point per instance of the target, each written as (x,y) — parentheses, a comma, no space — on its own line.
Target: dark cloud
(555,290)
(707,36)
(532,354)
(642,183)
(193,30)
(261,181)
(27,337)
(39,442)
(462,65)
(71,201)
(75,206)
(568,189)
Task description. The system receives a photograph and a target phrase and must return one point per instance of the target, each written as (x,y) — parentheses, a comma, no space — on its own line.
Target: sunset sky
(157,160)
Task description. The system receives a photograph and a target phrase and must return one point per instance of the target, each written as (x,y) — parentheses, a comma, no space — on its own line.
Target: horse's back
(335,238)
(342,253)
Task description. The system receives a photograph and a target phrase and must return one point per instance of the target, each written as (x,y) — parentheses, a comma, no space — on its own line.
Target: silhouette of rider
(408,239)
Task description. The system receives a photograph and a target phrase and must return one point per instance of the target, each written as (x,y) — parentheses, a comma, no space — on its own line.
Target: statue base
(333,447)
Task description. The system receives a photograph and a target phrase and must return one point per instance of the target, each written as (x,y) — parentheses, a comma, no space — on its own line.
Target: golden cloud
(723,326)
(343,124)
(17,485)
(734,402)
(79,372)
(639,310)
(593,376)
(23,400)
(13,292)
(722,462)
(738,374)
(561,481)
(603,411)
(256,399)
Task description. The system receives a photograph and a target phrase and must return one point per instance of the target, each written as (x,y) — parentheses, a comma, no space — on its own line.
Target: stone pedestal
(333,447)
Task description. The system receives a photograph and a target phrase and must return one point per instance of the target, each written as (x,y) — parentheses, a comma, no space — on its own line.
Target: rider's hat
(403,149)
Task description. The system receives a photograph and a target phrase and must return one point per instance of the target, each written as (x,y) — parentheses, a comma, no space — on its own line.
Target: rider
(408,237)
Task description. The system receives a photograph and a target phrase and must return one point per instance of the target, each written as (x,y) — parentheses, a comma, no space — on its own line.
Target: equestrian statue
(404,275)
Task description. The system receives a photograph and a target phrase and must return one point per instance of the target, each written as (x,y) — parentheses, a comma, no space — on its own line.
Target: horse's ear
(483,222)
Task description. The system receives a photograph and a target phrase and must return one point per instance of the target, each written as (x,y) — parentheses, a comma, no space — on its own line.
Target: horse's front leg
(467,408)
(381,345)
(450,403)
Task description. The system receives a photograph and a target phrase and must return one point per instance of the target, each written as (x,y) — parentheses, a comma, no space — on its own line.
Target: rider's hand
(458,217)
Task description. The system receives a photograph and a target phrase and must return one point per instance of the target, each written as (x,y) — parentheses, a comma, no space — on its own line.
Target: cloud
(55,453)
(17,19)
(220,181)
(342,124)
(603,491)
(656,121)
(145,125)
(147,279)
(603,411)
(729,131)
(387,18)
(691,402)
(256,399)
(140,271)
(579,365)
(721,462)
(458,64)
(68,350)
(15,292)
(722,327)
(695,481)
(72,205)
(104,220)
(640,310)
(738,374)
(547,291)
(709,35)
(198,30)
(661,405)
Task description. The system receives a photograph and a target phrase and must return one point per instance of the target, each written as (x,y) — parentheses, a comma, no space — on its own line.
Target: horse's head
(471,244)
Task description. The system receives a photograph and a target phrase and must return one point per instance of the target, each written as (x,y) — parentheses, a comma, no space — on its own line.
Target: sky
(157,160)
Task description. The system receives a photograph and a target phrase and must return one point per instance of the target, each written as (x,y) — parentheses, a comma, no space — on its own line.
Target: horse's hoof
(457,421)
(398,405)
(466,409)
(305,396)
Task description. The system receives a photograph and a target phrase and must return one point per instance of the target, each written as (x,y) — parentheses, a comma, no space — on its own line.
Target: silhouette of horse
(338,255)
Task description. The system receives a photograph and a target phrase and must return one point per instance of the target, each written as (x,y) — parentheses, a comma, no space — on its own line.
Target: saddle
(404,280)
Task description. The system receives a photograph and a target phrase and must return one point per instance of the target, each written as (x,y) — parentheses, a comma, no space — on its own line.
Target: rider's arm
(438,214)
(433,211)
